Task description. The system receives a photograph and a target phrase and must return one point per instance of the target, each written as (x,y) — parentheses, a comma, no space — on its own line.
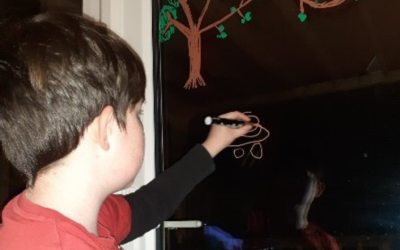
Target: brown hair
(57,73)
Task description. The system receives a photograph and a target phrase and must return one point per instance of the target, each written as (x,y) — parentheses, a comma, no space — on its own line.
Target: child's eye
(140,112)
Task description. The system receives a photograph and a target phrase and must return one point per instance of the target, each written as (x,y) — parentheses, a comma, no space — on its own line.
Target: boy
(70,98)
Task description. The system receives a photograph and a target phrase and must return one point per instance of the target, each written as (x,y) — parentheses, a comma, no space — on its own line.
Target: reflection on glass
(293,229)
(314,235)
(218,239)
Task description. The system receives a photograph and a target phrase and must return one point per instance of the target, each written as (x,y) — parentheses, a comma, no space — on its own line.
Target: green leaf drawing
(302,17)
(233,10)
(243,21)
(221,28)
(247,16)
(164,21)
(174,3)
(223,35)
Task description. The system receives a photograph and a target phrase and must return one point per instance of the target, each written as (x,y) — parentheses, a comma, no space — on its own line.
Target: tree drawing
(316,4)
(194,30)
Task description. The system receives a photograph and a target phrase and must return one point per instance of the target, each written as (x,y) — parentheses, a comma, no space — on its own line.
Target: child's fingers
(242,131)
(235,115)
(245,129)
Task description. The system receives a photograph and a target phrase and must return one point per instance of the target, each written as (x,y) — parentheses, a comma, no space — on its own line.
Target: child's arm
(157,201)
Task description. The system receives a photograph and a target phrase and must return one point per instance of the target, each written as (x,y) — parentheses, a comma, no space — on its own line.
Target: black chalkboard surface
(326,84)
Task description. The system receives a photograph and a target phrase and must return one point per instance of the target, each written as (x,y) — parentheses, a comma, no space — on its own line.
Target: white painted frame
(132,20)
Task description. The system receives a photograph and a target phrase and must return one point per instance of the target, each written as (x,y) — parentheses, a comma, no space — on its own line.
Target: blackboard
(327,88)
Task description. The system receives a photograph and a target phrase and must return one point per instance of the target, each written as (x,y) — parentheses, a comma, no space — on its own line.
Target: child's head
(57,73)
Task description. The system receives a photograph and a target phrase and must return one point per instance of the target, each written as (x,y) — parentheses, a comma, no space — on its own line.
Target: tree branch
(203,12)
(181,27)
(216,23)
(188,13)
(323,5)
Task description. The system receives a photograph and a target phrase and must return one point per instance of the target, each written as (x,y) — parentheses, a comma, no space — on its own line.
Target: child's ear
(104,124)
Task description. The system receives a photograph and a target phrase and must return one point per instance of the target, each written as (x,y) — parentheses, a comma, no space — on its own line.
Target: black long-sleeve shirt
(155,202)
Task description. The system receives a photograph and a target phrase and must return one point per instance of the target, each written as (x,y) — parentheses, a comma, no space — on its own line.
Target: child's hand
(220,137)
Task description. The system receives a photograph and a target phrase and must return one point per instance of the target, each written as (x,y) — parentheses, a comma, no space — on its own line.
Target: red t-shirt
(320,239)
(27,226)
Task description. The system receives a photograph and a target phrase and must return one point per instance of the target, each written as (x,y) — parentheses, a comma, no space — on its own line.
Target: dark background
(327,89)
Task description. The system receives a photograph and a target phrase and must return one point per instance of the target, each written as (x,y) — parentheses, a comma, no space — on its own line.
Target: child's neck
(74,198)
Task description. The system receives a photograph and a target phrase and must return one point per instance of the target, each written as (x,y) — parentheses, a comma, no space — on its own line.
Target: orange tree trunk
(194,43)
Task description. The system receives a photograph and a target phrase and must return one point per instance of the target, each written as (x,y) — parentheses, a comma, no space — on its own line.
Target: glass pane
(325,83)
